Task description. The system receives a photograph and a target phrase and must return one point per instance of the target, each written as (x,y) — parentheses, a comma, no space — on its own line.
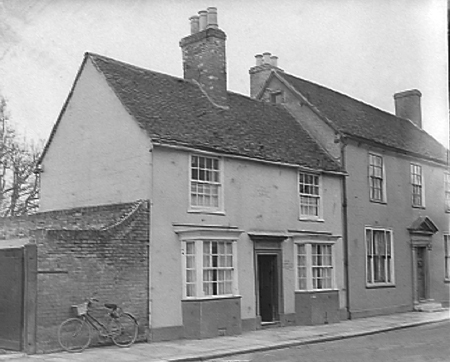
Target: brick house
(245,206)
(396,195)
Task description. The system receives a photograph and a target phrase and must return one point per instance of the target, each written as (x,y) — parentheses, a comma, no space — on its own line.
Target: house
(396,195)
(245,225)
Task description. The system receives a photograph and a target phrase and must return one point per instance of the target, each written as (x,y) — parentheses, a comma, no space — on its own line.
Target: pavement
(229,348)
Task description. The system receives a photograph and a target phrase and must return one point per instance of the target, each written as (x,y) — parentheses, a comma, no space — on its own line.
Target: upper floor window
(309,193)
(379,257)
(447,191)
(447,256)
(276,97)
(376,178)
(417,185)
(314,263)
(205,183)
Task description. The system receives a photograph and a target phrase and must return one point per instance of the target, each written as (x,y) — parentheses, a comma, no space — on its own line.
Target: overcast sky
(367,49)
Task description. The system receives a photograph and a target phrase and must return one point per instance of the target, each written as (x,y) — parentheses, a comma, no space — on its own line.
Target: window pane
(218,270)
(205,178)
(379,256)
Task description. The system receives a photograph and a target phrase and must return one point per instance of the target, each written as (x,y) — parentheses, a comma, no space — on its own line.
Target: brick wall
(97,251)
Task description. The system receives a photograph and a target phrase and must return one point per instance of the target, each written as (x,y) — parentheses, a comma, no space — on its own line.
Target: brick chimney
(407,105)
(204,56)
(265,63)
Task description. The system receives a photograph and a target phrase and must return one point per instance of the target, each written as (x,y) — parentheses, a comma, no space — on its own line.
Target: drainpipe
(150,239)
(345,228)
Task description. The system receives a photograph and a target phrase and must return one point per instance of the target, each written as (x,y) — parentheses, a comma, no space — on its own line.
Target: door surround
(421,246)
(268,244)
(421,235)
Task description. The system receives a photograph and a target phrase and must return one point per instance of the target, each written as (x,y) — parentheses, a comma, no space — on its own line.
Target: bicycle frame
(101,328)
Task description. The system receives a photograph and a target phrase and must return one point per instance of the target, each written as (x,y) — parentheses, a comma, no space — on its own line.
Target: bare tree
(19,184)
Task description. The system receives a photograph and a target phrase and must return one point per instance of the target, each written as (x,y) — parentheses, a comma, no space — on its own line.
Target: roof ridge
(136,67)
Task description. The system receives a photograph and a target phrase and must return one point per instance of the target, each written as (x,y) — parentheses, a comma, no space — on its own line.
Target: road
(429,343)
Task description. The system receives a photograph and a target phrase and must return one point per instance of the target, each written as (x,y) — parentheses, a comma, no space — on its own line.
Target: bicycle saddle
(111,306)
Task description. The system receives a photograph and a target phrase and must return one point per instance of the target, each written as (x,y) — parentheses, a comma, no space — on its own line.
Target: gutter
(246,158)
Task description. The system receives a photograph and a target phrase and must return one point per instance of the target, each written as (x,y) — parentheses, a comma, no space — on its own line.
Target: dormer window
(276,97)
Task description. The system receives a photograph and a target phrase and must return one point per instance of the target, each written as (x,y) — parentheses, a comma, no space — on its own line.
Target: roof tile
(361,120)
(175,111)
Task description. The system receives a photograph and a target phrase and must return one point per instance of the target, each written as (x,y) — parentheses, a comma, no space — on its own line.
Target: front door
(268,287)
(421,273)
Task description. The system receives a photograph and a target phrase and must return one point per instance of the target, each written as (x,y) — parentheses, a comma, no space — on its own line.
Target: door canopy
(421,231)
(423,225)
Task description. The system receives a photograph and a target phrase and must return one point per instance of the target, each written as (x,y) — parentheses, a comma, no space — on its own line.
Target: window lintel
(188,232)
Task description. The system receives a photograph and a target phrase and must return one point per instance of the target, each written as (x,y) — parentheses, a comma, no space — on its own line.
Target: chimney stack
(203,19)
(407,105)
(265,64)
(204,57)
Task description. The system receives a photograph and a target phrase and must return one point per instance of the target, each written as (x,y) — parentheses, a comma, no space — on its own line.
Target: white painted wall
(257,197)
(99,155)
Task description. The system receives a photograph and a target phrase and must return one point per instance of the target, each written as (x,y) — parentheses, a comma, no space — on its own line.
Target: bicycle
(75,334)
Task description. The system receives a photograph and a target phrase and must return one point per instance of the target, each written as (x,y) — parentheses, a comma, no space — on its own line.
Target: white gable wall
(98,155)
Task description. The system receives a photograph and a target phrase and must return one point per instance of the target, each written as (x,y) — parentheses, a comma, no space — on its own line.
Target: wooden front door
(268,287)
(421,265)
(11,298)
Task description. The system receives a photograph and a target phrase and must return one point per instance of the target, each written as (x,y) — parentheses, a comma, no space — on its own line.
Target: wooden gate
(17,295)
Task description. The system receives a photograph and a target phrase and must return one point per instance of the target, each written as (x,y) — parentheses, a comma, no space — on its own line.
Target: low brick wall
(99,252)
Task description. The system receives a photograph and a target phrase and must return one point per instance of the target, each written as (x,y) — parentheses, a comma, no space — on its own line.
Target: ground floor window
(315,270)
(379,257)
(209,268)
(447,256)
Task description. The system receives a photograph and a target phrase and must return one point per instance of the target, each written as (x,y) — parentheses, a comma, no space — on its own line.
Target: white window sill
(380,285)
(382,202)
(317,290)
(418,207)
(311,218)
(206,211)
(211,297)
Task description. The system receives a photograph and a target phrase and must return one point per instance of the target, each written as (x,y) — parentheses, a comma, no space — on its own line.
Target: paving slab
(248,342)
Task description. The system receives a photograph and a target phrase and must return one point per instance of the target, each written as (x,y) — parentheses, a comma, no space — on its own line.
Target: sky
(367,49)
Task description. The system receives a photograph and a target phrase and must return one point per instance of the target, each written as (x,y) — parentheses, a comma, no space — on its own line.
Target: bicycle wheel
(124,330)
(74,335)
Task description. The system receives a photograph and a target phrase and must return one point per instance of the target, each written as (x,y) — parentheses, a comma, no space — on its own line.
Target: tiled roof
(175,111)
(355,118)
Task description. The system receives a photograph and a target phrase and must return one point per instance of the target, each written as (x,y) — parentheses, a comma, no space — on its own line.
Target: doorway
(268,280)
(421,265)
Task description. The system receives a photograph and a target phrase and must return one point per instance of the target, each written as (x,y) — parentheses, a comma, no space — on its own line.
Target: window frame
(383,198)
(414,166)
(202,208)
(309,275)
(276,97)
(447,191)
(199,283)
(447,258)
(198,234)
(391,268)
(319,197)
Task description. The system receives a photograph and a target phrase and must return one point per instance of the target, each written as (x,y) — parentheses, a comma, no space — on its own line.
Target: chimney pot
(211,18)
(407,105)
(266,57)
(194,24)
(202,19)
(274,61)
(259,58)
